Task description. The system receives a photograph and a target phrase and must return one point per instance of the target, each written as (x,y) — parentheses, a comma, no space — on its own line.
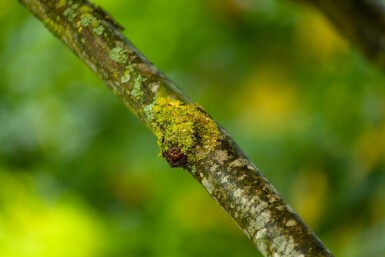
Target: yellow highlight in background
(317,37)
(30,227)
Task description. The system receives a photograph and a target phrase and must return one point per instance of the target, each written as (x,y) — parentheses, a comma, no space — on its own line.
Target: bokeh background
(80,176)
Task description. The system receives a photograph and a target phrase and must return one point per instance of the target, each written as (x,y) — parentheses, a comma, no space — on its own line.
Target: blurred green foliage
(79,174)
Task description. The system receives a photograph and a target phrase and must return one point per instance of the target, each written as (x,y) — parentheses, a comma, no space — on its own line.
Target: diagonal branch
(360,21)
(188,137)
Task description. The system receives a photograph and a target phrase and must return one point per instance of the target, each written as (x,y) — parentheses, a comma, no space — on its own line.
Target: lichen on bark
(185,126)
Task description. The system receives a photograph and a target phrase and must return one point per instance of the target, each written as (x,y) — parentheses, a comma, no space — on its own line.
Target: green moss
(185,126)
(119,55)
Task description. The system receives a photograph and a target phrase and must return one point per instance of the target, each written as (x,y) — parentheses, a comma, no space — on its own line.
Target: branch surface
(361,21)
(188,137)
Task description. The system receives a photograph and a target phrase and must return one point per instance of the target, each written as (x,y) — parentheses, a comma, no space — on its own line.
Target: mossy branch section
(183,130)
(362,22)
(187,136)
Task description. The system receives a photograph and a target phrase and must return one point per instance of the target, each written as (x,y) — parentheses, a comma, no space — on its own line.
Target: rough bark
(188,137)
(361,22)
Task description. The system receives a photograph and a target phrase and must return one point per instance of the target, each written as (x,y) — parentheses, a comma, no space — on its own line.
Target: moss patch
(185,126)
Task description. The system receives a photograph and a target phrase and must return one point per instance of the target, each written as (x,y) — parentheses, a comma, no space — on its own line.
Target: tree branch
(360,21)
(187,136)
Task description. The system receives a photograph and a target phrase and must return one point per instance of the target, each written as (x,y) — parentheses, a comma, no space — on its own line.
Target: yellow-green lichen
(119,55)
(99,30)
(127,74)
(86,19)
(185,126)
(70,12)
(61,3)
(85,9)
(126,77)
(148,111)
(137,90)
(53,26)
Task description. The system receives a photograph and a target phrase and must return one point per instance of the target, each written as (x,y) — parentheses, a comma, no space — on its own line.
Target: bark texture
(187,135)
(361,22)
